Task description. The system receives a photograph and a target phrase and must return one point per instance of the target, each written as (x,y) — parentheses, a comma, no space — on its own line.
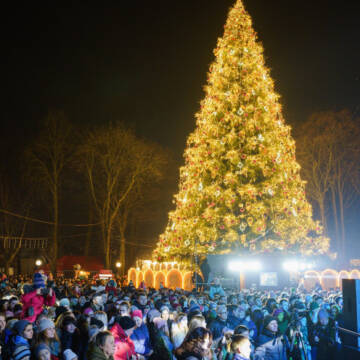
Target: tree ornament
(240,111)
(260,138)
(294,212)
(187,242)
(243,227)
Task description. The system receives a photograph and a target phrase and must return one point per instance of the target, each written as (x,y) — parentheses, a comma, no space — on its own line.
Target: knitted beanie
(153,313)
(39,348)
(68,354)
(20,326)
(38,281)
(126,322)
(137,313)
(45,324)
(96,322)
(267,320)
(64,302)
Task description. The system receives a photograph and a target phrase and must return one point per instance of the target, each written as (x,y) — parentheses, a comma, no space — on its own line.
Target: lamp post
(118,266)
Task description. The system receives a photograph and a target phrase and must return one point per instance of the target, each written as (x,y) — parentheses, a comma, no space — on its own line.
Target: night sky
(145,62)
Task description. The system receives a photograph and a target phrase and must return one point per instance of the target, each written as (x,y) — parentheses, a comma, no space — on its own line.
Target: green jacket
(95,353)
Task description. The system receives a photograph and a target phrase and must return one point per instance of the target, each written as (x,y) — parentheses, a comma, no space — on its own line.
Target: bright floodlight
(38,262)
(235,266)
(292,265)
(118,264)
(254,266)
(244,266)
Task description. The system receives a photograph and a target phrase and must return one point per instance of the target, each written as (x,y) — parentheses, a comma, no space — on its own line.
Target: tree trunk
(122,255)
(322,214)
(342,224)
(107,248)
(89,232)
(54,254)
(336,222)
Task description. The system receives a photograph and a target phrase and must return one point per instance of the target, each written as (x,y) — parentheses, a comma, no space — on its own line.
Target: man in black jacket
(270,345)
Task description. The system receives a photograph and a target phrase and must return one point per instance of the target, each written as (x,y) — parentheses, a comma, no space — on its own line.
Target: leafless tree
(47,158)
(118,165)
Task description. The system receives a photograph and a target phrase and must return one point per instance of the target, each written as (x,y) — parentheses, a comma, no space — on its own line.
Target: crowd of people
(78,319)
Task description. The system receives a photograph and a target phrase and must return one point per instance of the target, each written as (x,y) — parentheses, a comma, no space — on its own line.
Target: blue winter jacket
(141,339)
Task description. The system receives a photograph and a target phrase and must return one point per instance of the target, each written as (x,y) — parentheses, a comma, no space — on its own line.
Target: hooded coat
(37,302)
(271,347)
(124,347)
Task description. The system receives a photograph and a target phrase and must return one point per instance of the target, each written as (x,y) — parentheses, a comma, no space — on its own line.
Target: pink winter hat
(137,313)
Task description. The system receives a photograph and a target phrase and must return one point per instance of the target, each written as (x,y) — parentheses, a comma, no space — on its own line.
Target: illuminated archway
(329,279)
(140,278)
(132,276)
(174,279)
(187,281)
(343,274)
(149,278)
(159,278)
(355,274)
(157,267)
(311,278)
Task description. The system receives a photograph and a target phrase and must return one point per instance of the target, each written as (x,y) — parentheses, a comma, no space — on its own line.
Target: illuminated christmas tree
(240,187)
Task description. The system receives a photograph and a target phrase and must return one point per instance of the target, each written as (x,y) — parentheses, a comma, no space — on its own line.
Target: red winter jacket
(124,347)
(37,302)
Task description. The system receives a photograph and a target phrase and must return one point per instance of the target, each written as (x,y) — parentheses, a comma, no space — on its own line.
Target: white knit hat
(69,355)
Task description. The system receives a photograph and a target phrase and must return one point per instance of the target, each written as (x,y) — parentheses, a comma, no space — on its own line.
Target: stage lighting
(291,265)
(254,266)
(245,266)
(236,266)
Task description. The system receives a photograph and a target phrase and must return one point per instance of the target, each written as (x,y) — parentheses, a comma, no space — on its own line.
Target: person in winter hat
(140,336)
(46,334)
(20,342)
(122,330)
(111,287)
(42,352)
(271,346)
(34,301)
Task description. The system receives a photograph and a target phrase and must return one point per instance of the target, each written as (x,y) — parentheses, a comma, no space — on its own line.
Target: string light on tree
(241,179)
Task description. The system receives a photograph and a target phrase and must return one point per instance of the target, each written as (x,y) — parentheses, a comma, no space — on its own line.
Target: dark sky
(145,62)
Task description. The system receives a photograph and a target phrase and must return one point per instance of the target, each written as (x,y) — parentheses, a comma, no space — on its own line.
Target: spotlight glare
(235,266)
(291,265)
(245,266)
